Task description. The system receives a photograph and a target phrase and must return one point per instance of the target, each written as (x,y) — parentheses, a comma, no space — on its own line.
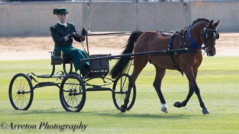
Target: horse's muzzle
(211,53)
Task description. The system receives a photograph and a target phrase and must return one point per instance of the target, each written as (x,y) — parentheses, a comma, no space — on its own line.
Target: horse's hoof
(122,109)
(177,104)
(164,109)
(205,111)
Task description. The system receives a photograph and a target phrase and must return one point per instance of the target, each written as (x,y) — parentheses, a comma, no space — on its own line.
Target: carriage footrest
(49,76)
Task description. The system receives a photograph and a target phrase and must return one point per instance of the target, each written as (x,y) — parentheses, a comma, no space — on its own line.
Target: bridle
(206,36)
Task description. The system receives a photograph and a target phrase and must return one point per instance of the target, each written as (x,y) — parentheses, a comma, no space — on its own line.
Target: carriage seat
(58,59)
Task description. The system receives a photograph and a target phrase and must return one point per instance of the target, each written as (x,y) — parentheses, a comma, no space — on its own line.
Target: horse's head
(209,35)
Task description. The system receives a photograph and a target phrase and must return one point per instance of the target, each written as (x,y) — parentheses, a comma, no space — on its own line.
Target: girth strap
(172,54)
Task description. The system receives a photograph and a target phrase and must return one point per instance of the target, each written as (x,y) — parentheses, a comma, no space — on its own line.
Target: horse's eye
(217,35)
(214,34)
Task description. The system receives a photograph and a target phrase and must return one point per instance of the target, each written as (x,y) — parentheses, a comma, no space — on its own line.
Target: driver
(63,34)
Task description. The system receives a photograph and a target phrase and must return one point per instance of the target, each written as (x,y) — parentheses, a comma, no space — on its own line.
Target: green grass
(218,80)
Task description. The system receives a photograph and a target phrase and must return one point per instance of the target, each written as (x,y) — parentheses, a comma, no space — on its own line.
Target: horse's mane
(200,19)
(195,21)
(180,31)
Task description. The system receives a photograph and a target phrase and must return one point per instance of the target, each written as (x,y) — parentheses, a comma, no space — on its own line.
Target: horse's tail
(122,63)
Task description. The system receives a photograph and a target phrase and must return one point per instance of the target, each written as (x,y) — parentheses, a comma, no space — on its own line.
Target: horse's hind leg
(139,63)
(160,72)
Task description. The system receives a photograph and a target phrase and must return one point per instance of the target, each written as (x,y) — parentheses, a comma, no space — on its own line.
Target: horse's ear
(216,24)
(210,24)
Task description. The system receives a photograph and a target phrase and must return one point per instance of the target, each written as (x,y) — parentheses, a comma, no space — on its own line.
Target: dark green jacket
(58,32)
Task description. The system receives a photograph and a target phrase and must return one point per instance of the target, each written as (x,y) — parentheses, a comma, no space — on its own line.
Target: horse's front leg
(190,93)
(193,87)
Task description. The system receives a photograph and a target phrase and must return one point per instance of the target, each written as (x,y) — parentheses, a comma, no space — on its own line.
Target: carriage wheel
(20,92)
(120,88)
(72,93)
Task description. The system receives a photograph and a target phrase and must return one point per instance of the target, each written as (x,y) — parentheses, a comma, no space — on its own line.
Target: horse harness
(182,44)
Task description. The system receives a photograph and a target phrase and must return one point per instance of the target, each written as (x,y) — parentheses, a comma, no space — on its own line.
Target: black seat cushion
(57,60)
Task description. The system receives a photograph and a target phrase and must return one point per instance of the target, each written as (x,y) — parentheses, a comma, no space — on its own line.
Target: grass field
(218,79)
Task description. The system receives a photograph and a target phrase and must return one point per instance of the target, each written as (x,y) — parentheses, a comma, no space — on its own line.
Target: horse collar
(194,45)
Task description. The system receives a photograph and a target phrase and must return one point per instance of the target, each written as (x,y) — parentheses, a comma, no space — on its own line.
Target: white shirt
(62,24)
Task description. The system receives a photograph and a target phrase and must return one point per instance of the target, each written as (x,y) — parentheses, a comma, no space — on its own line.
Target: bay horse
(201,31)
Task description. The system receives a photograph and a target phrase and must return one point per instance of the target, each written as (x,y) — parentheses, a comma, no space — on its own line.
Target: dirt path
(27,48)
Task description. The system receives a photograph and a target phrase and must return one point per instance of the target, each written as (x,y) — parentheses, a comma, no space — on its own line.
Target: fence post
(137,14)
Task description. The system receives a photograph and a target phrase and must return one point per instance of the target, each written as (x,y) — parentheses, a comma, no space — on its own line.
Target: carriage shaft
(134,54)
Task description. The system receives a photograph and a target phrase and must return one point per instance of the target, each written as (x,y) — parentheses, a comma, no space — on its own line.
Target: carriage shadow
(35,112)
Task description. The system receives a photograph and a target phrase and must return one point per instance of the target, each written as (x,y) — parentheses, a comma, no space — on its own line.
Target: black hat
(61,10)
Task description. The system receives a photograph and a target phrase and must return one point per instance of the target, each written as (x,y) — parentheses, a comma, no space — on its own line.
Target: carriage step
(99,89)
(49,76)
(45,84)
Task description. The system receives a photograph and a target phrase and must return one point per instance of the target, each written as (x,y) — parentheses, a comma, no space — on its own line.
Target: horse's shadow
(107,114)
(146,116)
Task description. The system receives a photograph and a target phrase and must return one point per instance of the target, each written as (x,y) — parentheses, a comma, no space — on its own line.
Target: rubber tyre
(118,98)
(20,92)
(72,93)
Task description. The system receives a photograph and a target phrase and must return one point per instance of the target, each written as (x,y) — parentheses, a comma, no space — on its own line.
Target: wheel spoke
(20,94)
(121,87)
(73,93)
